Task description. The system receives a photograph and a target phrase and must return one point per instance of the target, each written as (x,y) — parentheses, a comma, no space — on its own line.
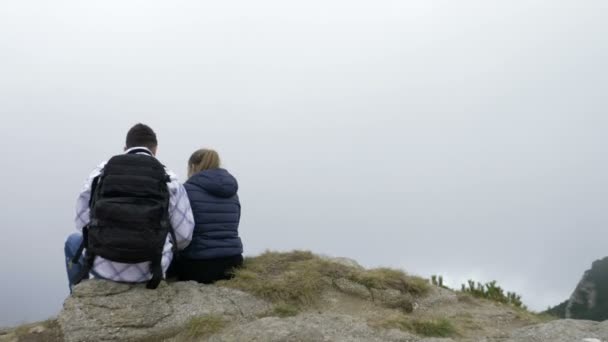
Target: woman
(216,247)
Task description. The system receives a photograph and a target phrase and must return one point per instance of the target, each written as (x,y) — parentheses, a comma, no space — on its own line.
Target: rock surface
(312,328)
(106,311)
(590,298)
(567,330)
(343,261)
(346,308)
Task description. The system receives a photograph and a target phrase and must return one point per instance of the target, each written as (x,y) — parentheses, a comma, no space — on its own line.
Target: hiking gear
(180,215)
(129,220)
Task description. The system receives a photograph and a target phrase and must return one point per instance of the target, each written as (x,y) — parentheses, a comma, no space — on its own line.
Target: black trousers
(204,271)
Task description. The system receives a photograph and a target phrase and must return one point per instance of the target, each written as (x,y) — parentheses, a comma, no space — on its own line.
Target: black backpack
(129,214)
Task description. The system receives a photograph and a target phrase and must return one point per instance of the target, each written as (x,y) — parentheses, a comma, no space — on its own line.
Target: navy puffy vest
(217,212)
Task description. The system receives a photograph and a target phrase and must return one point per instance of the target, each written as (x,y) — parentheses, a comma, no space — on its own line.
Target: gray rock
(343,261)
(436,297)
(602,329)
(39,329)
(584,302)
(106,311)
(8,337)
(566,330)
(392,298)
(584,296)
(353,288)
(311,328)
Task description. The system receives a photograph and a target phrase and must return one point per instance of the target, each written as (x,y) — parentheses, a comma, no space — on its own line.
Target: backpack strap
(157,273)
(166,219)
(89,258)
(94,185)
(156,265)
(83,244)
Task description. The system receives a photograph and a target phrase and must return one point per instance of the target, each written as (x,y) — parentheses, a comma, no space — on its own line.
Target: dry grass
(285,310)
(280,277)
(51,332)
(204,326)
(298,278)
(386,278)
(403,304)
(429,328)
(521,313)
(434,328)
(533,317)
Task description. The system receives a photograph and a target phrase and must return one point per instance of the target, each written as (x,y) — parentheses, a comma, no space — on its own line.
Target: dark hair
(141,135)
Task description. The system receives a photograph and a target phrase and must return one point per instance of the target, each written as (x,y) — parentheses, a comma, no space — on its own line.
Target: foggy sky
(463,138)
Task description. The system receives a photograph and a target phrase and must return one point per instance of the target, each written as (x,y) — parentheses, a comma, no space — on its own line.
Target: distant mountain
(590,298)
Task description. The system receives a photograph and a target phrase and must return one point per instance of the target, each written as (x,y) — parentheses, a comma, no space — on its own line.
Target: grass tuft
(434,328)
(403,304)
(298,278)
(386,278)
(428,328)
(285,310)
(51,332)
(204,326)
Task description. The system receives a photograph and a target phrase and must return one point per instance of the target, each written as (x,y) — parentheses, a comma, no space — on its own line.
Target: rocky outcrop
(312,328)
(567,330)
(106,311)
(349,304)
(590,298)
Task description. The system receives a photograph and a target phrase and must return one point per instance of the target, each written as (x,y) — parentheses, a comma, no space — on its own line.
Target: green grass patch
(403,304)
(298,278)
(204,326)
(428,328)
(434,328)
(285,310)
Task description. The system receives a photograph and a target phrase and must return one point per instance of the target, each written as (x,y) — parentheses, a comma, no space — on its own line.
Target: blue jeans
(71,247)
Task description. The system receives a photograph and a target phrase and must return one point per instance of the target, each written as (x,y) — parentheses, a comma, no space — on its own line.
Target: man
(131,216)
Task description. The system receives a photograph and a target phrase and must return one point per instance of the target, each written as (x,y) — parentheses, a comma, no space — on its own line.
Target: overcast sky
(464,138)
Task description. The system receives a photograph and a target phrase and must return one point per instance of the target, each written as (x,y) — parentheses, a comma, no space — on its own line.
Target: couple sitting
(138,224)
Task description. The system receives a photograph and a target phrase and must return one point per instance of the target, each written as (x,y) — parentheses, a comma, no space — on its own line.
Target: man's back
(180,216)
(140,197)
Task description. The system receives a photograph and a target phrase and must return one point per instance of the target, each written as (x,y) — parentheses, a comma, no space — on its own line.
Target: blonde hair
(203,159)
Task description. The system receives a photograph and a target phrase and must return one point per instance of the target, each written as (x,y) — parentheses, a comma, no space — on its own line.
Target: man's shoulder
(98,170)
(172,175)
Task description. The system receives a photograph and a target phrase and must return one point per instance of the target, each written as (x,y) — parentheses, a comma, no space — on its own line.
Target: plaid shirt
(182,222)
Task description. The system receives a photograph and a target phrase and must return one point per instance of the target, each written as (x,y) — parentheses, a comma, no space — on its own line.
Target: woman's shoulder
(218,182)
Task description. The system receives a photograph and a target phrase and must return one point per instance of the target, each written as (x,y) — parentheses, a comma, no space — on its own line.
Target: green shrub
(438,281)
(492,292)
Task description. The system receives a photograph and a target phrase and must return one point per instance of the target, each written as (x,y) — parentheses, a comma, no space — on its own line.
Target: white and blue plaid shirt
(181,218)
